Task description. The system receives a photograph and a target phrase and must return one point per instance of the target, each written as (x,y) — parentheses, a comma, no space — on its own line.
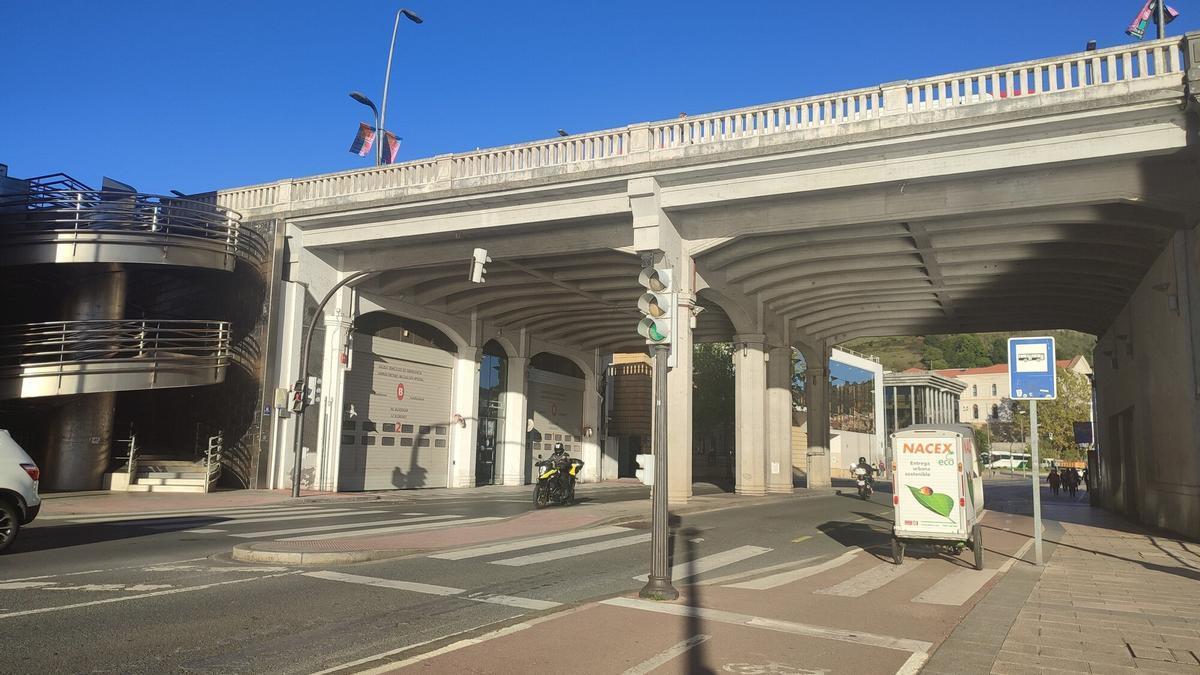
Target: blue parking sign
(1031,368)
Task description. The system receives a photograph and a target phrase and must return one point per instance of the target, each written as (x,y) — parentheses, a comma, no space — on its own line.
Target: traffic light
(312,393)
(657,304)
(645,472)
(298,402)
(479,258)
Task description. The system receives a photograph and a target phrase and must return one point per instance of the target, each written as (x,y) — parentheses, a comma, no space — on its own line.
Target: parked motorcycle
(556,481)
(866,485)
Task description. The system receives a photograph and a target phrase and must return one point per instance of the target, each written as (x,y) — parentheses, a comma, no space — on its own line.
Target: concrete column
(325,459)
(779,420)
(591,453)
(679,406)
(80,439)
(816,379)
(516,421)
(750,377)
(464,403)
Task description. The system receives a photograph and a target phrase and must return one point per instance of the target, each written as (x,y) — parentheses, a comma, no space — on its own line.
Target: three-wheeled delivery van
(937,489)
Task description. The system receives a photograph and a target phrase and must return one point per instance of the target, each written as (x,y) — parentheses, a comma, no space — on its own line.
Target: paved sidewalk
(1114,597)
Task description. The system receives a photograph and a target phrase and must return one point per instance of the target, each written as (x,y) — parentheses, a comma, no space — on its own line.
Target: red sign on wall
(400,392)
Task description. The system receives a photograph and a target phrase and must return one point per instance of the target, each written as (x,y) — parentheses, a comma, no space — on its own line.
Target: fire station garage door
(556,411)
(395,427)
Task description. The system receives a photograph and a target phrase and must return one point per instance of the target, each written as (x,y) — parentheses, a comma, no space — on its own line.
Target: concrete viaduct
(1054,193)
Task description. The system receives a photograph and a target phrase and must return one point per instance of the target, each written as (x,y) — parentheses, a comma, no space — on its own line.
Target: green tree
(713,385)
(1057,418)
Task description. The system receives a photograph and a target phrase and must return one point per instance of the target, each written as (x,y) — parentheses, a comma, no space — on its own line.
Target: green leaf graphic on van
(934,501)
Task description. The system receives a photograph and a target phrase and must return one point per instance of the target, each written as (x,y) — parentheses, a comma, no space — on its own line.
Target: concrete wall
(1148,396)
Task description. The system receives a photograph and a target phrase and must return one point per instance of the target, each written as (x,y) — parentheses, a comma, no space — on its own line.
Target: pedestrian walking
(1055,481)
(1072,481)
(1087,482)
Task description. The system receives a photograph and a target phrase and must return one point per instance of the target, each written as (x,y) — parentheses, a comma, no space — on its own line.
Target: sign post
(1032,377)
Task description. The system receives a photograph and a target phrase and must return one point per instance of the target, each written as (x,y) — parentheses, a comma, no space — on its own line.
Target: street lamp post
(387,78)
(362,98)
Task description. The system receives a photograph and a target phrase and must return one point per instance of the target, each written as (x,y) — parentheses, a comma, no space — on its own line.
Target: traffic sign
(1031,369)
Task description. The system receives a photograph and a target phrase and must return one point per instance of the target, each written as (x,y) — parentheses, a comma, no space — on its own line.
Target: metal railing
(212,460)
(113,346)
(46,208)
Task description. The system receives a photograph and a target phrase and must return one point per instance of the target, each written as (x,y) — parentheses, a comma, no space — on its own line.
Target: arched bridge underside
(1028,196)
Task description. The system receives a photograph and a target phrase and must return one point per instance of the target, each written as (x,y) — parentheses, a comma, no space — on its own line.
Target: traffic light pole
(297,455)
(659,587)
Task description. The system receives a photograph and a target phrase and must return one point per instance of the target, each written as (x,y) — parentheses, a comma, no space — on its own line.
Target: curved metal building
(111,294)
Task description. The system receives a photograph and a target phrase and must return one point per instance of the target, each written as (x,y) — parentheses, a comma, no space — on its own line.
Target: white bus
(1013,461)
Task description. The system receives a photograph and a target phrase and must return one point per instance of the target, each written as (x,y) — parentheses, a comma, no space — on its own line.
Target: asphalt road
(120,597)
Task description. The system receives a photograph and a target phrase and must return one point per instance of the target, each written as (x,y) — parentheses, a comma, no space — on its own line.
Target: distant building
(920,397)
(986,388)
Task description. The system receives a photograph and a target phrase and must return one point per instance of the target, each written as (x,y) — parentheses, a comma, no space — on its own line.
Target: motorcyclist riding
(866,466)
(562,462)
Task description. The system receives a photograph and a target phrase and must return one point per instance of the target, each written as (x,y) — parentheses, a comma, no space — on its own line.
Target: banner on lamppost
(363,140)
(1142,21)
(391,147)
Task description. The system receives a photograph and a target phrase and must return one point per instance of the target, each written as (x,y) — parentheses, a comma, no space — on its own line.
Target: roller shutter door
(556,411)
(395,427)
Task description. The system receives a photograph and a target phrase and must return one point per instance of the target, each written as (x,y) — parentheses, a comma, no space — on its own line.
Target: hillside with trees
(962,350)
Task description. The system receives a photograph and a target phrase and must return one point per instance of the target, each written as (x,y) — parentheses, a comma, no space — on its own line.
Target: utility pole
(658,586)
(1037,482)
(1160,8)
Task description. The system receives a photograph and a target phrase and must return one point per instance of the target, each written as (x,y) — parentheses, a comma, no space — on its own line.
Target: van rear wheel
(10,523)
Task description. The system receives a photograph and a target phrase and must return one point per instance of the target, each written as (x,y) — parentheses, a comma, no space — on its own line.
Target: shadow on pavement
(697,662)
(45,538)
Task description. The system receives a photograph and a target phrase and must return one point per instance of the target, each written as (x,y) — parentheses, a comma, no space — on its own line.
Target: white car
(19,501)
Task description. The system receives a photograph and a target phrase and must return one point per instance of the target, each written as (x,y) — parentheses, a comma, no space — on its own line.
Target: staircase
(163,474)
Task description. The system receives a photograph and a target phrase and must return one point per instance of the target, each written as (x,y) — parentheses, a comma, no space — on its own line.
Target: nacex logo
(936,448)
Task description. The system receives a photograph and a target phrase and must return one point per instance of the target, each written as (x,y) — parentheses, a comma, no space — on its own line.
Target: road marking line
(155,514)
(192,516)
(864,582)
(513,601)
(155,594)
(338,513)
(806,537)
(387,530)
(666,655)
(343,526)
(711,562)
(392,652)
(486,637)
(113,569)
(210,568)
(533,542)
(777,580)
(427,589)
(573,551)
(23,585)
(806,630)
(1020,554)
(202,531)
(792,564)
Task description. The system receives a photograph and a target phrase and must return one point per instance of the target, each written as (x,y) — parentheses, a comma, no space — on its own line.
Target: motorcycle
(866,486)
(555,484)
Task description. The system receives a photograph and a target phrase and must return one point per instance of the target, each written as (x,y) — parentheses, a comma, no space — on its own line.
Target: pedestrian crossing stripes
(708,563)
(192,515)
(368,531)
(956,587)
(136,515)
(532,542)
(781,578)
(572,551)
(870,580)
(342,526)
(335,513)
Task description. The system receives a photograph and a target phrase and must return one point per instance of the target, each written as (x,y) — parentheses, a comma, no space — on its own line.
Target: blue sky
(200,95)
